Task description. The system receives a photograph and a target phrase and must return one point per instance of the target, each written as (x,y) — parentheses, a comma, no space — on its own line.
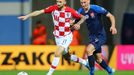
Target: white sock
(54,64)
(82,61)
(79,60)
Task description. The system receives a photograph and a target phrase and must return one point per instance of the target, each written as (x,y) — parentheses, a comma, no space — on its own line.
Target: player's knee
(99,60)
(90,49)
(57,54)
(98,57)
(59,51)
(67,56)
(89,52)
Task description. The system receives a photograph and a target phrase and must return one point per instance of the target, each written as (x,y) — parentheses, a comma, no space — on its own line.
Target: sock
(54,64)
(78,60)
(104,65)
(91,60)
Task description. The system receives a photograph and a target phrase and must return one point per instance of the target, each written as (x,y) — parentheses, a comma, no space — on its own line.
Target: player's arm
(112,20)
(38,12)
(77,24)
(35,13)
(82,19)
(103,11)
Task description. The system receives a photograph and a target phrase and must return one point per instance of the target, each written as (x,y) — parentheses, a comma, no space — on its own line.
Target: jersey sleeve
(75,14)
(100,9)
(49,9)
(80,10)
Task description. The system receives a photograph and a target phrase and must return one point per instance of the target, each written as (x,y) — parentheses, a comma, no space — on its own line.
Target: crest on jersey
(92,15)
(68,15)
(86,16)
(56,13)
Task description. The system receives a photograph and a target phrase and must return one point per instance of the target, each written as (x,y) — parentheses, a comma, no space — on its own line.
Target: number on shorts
(64,41)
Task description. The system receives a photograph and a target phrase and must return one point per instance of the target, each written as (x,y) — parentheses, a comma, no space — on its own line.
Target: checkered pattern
(61,23)
(61,19)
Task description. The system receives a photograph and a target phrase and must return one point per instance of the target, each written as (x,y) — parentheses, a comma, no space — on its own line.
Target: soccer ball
(22,73)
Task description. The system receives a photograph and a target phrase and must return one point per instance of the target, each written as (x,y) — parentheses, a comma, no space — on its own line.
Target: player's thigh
(59,50)
(90,49)
(64,41)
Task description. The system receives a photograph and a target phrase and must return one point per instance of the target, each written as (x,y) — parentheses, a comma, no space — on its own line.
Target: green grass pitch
(14,72)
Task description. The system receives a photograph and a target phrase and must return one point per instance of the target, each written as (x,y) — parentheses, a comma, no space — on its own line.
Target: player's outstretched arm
(113,27)
(77,25)
(35,13)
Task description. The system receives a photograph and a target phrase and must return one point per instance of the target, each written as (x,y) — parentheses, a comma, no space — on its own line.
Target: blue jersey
(93,20)
(97,34)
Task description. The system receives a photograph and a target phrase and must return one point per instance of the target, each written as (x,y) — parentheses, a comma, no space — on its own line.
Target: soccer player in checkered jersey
(97,33)
(62,15)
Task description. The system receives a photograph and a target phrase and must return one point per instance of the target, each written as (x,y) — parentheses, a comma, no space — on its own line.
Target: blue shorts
(97,41)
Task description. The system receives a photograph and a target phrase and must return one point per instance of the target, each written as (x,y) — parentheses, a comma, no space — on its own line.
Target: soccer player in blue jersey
(97,34)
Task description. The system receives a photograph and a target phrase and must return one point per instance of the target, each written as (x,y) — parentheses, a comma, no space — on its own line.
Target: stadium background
(15,39)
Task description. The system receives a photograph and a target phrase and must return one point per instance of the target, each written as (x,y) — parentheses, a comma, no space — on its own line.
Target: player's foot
(111,73)
(87,66)
(48,73)
(91,73)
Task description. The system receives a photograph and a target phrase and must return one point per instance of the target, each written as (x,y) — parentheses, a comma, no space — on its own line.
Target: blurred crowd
(39,35)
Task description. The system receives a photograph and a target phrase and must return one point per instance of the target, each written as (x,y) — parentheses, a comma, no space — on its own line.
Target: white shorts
(64,41)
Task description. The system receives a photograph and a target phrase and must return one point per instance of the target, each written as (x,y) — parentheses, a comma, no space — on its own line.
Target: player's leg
(72,57)
(76,59)
(103,64)
(56,60)
(62,44)
(90,49)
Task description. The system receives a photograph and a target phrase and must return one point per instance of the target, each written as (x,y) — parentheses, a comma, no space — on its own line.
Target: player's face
(60,3)
(85,3)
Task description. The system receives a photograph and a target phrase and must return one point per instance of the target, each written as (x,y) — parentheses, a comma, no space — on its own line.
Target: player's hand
(71,22)
(76,26)
(23,17)
(113,30)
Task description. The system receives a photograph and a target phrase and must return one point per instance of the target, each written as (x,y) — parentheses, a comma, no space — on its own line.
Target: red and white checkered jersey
(61,19)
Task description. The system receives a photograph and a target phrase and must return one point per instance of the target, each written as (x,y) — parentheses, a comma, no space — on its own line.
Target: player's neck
(62,8)
(87,9)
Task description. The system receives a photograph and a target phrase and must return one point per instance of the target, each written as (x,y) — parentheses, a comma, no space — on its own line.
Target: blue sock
(91,61)
(104,65)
